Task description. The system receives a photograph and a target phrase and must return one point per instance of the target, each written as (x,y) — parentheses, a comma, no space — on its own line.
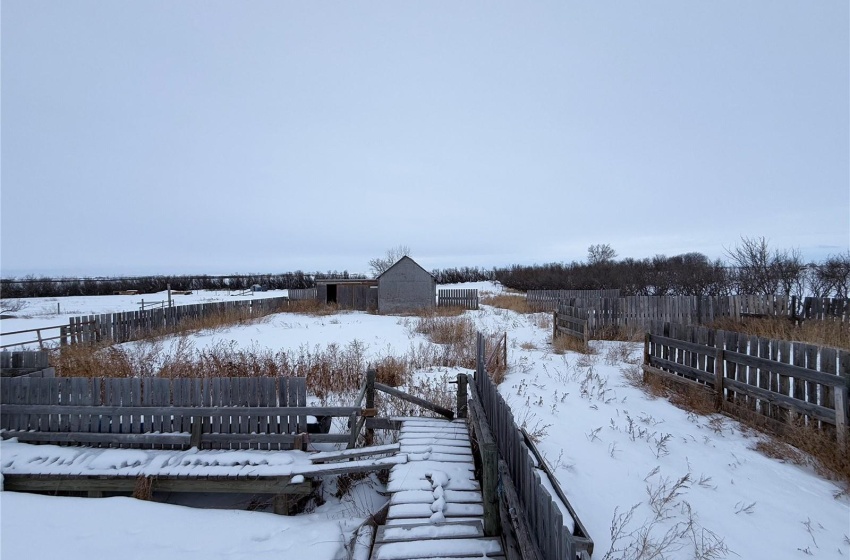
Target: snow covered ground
(41,313)
(666,474)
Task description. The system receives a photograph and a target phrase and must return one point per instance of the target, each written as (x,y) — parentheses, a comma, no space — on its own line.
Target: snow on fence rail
(134,325)
(207,413)
(466,299)
(538,519)
(772,383)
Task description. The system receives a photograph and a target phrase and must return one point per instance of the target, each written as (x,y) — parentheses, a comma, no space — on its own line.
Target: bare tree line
(752,267)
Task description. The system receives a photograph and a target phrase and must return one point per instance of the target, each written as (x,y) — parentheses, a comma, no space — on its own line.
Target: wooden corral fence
(41,337)
(302,294)
(825,309)
(207,413)
(772,383)
(571,321)
(466,299)
(586,318)
(511,461)
(31,363)
(135,325)
(548,300)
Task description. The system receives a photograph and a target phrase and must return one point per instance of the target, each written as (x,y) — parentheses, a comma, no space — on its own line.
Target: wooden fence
(467,299)
(40,337)
(548,300)
(825,309)
(638,312)
(302,294)
(770,382)
(27,362)
(135,325)
(533,506)
(211,413)
(571,321)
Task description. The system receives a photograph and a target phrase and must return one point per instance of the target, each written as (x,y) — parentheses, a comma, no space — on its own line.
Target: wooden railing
(511,479)
(772,383)
(40,338)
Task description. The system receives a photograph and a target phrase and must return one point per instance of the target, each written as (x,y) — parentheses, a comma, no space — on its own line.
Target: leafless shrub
(672,526)
(12,305)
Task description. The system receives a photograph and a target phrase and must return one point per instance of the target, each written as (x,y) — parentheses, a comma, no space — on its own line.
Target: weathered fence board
(162,413)
(773,382)
(548,300)
(638,312)
(133,325)
(302,294)
(464,298)
(545,522)
(33,363)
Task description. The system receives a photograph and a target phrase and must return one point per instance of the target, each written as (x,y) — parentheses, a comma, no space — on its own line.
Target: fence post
(841,417)
(462,398)
(554,325)
(370,403)
(718,373)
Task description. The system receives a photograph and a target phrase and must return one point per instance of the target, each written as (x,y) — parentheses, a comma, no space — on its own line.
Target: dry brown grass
(797,442)
(807,445)
(565,343)
(392,371)
(822,333)
(516,303)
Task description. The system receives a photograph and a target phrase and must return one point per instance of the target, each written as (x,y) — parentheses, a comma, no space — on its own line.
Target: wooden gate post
(370,402)
(462,397)
(718,372)
(841,417)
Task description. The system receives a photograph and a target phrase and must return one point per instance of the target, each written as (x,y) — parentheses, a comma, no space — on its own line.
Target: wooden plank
(415,400)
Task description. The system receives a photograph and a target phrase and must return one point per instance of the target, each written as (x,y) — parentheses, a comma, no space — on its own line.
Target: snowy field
(41,313)
(693,482)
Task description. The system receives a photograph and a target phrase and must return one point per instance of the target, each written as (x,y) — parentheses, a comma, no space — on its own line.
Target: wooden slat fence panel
(771,382)
(133,325)
(464,298)
(302,294)
(826,309)
(119,411)
(553,538)
(638,312)
(548,300)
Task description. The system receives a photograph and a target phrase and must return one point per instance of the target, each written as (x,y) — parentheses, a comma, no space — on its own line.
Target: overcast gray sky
(219,137)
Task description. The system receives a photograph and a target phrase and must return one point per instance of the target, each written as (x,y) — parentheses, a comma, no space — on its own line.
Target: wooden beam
(415,400)
(518,516)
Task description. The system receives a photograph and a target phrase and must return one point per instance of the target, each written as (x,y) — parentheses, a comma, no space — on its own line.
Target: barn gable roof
(402,260)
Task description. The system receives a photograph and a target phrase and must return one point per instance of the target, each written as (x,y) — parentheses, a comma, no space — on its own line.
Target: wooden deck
(436,506)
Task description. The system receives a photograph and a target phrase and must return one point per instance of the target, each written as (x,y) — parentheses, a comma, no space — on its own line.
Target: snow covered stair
(436,506)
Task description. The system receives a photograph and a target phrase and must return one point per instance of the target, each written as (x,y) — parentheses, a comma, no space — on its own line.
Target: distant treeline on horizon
(754,270)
